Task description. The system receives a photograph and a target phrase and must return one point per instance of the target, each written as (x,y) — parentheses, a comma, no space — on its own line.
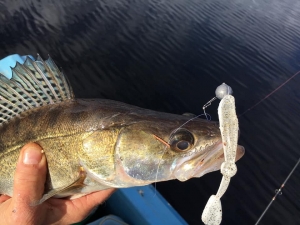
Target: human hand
(29,183)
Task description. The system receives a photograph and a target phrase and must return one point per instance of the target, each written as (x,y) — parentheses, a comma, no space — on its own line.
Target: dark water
(170,56)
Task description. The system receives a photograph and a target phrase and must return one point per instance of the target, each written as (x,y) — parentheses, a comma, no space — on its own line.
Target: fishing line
(253,106)
(221,91)
(268,95)
(174,131)
(278,192)
(208,104)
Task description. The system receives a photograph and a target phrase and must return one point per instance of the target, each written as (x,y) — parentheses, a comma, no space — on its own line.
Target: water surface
(170,56)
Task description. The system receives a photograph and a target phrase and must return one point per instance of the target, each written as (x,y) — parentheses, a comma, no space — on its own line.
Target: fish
(96,144)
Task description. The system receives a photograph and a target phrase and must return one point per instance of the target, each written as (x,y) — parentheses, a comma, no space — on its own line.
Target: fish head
(157,150)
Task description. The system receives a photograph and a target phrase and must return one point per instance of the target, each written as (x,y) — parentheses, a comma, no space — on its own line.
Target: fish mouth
(204,163)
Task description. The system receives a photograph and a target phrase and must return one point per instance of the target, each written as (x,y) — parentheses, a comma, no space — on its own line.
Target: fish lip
(195,166)
(200,166)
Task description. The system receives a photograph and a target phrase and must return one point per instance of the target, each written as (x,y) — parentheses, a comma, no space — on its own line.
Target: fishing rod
(278,192)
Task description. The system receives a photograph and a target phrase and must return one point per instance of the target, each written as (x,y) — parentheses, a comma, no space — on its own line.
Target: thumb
(29,182)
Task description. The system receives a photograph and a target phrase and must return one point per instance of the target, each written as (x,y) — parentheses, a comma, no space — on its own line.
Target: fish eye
(181,140)
(183,145)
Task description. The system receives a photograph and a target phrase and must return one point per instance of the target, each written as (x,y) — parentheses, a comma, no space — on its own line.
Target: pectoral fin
(79,183)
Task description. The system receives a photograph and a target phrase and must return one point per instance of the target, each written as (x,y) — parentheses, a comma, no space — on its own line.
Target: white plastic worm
(212,213)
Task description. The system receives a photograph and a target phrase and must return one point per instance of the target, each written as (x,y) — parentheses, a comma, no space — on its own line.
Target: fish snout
(240,152)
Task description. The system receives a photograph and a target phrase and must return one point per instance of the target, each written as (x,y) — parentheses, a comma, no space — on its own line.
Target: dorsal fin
(33,84)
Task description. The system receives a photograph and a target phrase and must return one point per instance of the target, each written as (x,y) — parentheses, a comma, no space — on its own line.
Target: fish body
(95,144)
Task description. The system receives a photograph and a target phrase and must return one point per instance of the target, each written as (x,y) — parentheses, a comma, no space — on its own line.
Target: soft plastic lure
(212,213)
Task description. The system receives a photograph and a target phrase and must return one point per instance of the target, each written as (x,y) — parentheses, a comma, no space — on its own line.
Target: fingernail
(32,156)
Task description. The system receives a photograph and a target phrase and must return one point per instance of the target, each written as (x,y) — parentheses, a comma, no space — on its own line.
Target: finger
(86,203)
(29,182)
(96,198)
(82,206)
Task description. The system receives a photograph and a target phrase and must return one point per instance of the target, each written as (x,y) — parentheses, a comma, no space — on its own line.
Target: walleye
(95,144)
